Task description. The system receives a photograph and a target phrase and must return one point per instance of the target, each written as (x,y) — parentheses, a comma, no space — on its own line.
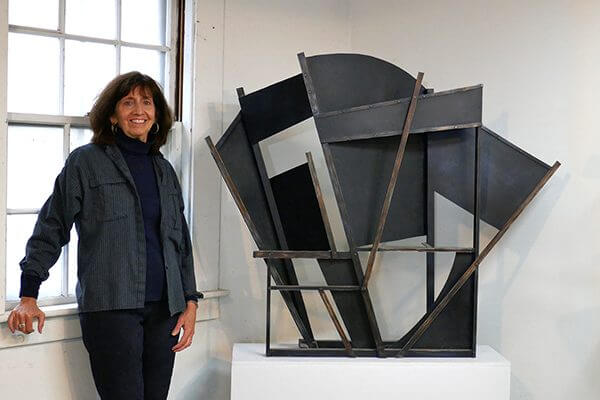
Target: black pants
(130,351)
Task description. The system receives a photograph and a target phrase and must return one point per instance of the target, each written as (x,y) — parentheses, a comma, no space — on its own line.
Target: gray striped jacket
(96,191)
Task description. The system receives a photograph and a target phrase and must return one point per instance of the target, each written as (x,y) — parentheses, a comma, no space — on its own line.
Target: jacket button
(166,267)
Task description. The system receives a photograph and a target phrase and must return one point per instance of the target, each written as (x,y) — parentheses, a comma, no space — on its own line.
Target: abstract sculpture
(389,145)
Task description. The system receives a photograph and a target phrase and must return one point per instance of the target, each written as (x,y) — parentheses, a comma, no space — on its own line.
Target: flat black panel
(275,108)
(302,223)
(299,210)
(238,157)
(348,80)
(453,328)
(458,108)
(364,168)
(350,304)
(508,174)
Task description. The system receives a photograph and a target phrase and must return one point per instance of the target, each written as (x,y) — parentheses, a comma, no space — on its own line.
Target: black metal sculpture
(389,145)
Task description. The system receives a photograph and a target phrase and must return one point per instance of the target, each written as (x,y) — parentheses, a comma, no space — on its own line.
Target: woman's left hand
(187,321)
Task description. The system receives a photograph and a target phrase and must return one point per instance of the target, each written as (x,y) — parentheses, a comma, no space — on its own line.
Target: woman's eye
(128,103)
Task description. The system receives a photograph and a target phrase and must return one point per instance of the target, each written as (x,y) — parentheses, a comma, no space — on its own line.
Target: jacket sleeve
(188,277)
(52,230)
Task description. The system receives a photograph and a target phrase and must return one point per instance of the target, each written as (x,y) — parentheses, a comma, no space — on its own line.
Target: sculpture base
(255,376)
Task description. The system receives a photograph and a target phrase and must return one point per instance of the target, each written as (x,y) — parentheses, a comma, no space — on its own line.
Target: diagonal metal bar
(343,211)
(473,267)
(234,192)
(305,331)
(336,322)
(392,184)
(319,193)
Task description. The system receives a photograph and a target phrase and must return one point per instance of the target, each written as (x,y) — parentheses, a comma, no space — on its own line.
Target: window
(60,54)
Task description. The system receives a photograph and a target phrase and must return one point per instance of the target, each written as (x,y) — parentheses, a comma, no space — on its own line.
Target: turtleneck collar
(132,145)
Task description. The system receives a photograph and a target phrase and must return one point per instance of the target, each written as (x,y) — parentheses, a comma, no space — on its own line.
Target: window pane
(18,230)
(147,62)
(143,21)
(73,261)
(45,15)
(33,74)
(34,160)
(79,137)
(88,68)
(91,18)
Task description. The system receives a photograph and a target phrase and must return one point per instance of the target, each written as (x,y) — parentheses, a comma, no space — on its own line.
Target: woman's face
(135,114)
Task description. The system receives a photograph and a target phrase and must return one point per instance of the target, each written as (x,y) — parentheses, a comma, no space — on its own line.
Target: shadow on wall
(507,267)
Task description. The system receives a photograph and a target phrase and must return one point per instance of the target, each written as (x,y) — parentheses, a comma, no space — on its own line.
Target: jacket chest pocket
(112,198)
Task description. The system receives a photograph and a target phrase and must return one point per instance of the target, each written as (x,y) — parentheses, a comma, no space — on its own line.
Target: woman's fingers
(41,320)
(28,324)
(10,322)
(184,344)
(177,328)
(185,341)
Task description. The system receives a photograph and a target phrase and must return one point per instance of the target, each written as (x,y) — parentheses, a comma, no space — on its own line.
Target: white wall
(538,61)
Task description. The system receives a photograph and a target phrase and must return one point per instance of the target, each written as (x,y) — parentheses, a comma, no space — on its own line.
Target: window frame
(168,75)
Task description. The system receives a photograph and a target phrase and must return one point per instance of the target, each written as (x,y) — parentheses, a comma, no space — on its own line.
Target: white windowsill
(62,321)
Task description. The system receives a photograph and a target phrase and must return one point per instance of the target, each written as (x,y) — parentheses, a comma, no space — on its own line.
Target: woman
(136,287)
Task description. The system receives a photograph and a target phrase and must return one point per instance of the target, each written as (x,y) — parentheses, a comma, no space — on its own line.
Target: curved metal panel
(343,81)
(453,328)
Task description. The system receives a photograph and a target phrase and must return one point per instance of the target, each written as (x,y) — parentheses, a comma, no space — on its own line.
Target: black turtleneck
(138,159)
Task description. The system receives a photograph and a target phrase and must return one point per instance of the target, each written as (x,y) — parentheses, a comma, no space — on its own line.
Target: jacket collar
(113,152)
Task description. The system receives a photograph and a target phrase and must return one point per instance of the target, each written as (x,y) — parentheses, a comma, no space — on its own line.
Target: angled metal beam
(473,267)
(476,229)
(298,288)
(234,191)
(442,111)
(424,249)
(310,89)
(319,193)
(288,254)
(302,328)
(336,323)
(430,230)
(390,190)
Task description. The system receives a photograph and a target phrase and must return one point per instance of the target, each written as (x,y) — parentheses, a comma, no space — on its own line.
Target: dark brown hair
(119,87)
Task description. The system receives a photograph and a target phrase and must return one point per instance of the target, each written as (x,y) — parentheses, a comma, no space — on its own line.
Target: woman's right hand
(21,318)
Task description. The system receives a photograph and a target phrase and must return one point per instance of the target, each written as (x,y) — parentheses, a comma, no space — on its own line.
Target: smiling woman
(136,287)
(127,98)
(135,114)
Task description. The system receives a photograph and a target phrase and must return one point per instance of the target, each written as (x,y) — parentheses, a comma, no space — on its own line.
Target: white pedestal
(255,376)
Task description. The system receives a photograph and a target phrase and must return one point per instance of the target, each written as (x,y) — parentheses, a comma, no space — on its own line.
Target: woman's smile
(135,114)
